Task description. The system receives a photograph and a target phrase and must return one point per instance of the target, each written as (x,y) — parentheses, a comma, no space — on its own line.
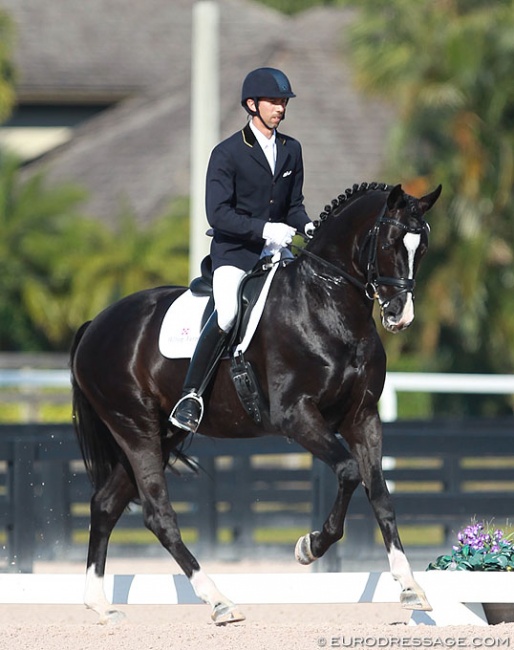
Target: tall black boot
(188,411)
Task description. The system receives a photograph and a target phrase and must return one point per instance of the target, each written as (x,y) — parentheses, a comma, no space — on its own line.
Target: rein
(373,277)
(329,265)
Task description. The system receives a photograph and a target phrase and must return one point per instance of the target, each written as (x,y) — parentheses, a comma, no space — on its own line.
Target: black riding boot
(188,411)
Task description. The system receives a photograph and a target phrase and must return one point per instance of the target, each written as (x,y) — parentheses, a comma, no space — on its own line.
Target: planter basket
(499,613)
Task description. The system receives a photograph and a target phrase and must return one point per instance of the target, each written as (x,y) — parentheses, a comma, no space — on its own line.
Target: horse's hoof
(409,599)
(222,614)
(303,552)
(112,617)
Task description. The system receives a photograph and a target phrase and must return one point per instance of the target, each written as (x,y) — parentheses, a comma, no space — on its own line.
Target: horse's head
(397,244)
(373,237)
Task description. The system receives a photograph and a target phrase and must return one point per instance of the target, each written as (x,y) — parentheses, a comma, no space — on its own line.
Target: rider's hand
(278,234)
(309,229)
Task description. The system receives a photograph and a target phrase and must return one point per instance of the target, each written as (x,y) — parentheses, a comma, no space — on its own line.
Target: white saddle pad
(181,325)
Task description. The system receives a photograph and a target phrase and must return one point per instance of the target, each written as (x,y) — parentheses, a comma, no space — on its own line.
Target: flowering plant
(480,547)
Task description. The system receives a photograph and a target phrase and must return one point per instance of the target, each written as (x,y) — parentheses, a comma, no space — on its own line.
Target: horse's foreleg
(412,595)
(314,545)
(107,505)
(369,456)
(328,449)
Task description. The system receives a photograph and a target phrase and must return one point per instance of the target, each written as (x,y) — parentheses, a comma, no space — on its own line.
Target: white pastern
(206,589)
(94,596)
(411,242)
(223,610)
(412,595)
(400,568)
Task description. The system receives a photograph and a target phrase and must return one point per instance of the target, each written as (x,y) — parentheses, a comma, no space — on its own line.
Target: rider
(254,204)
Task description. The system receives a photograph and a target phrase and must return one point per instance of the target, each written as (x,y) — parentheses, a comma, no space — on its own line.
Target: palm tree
(96,266)
(59,268)
(7,73)
(448,66)
(32,219)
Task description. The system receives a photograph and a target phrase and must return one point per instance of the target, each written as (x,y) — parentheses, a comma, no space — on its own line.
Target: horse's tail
(95,440)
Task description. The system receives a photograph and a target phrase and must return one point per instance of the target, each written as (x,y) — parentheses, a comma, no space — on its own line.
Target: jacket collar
(249,136)
(250,140)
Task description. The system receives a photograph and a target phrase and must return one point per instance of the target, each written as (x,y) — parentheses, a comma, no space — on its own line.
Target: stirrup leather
(182,425)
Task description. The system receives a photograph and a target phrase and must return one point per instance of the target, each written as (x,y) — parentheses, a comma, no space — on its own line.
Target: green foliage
(34,222)
(447,69)
(7,72)
(480,547)
(109,264)
(296,6)
(59,268)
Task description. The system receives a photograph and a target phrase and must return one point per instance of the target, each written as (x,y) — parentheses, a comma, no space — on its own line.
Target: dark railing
(255,492)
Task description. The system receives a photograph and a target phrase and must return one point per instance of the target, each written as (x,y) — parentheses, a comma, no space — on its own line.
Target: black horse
(319,362)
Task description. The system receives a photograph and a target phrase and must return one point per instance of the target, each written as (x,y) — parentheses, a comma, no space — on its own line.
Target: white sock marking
(94,595)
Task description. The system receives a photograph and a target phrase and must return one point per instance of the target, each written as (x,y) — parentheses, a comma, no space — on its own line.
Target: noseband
(373,278)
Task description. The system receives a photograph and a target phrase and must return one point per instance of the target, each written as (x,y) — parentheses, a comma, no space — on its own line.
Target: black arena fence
(260,493)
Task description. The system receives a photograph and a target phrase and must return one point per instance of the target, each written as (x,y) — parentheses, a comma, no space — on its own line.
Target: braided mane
(351,193)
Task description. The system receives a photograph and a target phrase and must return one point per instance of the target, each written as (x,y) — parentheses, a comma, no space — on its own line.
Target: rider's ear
(426,202)
(395,200)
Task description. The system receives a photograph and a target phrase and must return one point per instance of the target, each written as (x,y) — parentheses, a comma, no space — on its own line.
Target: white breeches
(225,283)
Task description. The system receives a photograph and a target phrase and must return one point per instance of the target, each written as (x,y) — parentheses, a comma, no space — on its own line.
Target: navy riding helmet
(265,82)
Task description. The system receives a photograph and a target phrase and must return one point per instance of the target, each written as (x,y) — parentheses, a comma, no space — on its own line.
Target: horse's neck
(339,247)
(314,287)
(340,243)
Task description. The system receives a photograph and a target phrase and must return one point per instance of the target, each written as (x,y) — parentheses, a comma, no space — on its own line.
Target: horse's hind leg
(161,519)
(107,505)
(146,460)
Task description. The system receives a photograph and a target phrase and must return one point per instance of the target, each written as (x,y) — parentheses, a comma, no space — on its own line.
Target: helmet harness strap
(257,113)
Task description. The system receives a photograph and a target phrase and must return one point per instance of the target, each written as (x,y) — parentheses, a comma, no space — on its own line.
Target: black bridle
(373,278)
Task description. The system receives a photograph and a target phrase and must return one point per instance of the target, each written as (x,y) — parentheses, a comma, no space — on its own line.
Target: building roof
(137,153)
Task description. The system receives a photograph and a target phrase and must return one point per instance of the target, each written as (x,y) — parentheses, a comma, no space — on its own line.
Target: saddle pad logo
(181,326)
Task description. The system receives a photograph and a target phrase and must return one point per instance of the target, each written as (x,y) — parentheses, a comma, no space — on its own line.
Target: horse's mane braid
(350,192)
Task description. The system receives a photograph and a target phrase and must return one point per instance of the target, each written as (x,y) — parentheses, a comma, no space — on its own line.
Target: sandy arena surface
(267,627)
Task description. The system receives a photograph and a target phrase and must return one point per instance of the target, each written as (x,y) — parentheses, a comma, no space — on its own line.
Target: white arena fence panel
(457,597)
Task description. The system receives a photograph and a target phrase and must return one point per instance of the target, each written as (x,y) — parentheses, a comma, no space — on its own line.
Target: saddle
(243,375)
(248,294)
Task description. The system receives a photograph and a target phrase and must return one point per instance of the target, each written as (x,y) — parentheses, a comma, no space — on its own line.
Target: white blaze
(411,242)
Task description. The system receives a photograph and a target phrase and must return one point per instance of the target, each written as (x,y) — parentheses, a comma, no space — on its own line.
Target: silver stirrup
(180,425)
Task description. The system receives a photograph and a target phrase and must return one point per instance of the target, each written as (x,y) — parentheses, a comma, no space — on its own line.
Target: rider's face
(271,111)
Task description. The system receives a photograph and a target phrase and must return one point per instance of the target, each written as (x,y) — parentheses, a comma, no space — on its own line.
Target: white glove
(278,234)
(309,229)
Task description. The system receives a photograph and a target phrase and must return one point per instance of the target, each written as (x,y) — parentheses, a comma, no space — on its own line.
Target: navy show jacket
(242,195)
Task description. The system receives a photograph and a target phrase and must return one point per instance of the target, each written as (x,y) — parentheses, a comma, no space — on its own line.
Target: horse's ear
(395,200)
(426,202)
